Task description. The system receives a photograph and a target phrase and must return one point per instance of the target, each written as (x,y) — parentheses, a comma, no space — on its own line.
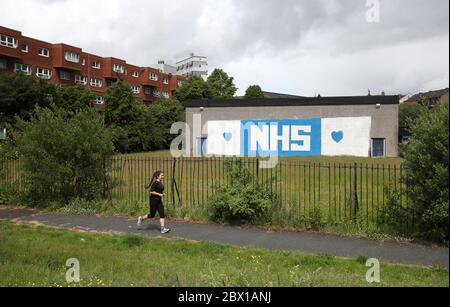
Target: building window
(64,75)
(136,89)
(43,73)
(166,81)
(156,93)
(99,100)
(180,83)
(83,62)
(110,83)
(96,65)
(96,82)
(136,74)
(2,64)
(148,90)
(22,68)
(24,48)
(72,57)
(44,52)
(378,148)
(153,76)
(118,68)
(80,80)
(165,94)
(8,41)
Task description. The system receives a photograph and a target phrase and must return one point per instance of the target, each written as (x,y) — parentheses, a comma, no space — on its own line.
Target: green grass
(37,257)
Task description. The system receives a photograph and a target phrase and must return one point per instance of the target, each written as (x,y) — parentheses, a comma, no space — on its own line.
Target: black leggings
(156,206)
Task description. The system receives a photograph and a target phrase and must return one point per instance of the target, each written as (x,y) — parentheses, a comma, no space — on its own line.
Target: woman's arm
(156,194)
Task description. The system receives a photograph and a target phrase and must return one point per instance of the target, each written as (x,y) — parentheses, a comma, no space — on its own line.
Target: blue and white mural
(291,137)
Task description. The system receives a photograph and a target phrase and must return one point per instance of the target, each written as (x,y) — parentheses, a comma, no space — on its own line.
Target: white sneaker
(165,230)
(139,222)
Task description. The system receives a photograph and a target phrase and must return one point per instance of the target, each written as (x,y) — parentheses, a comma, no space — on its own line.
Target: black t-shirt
(157,187)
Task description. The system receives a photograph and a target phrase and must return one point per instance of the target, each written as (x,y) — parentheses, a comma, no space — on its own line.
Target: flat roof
(288,102)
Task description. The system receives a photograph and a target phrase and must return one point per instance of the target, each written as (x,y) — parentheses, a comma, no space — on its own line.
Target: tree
(409,113)
(195,88)
(220,85)
(426,172)
(73,98)
(166,112)
(19,94)
(133,126)
(254,92)
(63,154)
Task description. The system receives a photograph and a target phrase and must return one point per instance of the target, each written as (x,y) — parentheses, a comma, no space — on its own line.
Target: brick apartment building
(64,64)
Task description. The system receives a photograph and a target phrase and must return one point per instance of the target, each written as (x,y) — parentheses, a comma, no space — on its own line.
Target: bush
(3,196)
(63,154)
(426,173)
(241,201)
(393,217)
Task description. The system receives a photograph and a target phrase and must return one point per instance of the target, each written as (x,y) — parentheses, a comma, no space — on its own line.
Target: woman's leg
(162,218)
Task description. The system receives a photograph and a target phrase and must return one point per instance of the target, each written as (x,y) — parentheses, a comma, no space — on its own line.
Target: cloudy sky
(304,47)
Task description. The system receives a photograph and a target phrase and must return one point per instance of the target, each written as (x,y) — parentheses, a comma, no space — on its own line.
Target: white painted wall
(355,133)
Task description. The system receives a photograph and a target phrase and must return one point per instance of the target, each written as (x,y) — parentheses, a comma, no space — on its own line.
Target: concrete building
(364,126)
(64,64)
(165,68)
(193,66)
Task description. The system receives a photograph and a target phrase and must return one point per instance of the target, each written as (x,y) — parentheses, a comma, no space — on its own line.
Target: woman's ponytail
(155,175)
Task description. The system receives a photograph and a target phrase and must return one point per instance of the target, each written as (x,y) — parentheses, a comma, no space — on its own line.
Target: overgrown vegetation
(426,173)
(241,201)
(63,154)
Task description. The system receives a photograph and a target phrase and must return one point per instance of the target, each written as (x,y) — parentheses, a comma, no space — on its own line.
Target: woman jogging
(156,204)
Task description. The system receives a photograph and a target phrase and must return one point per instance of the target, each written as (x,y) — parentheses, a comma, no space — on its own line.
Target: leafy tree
(133,126)
(73,98)
(164,113)
(195,88)
(63,154)
(409,113)
(426,168)
(254,92)
(20,93)
(220,85)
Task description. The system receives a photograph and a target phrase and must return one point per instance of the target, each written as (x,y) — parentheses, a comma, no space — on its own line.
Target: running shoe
(165,230)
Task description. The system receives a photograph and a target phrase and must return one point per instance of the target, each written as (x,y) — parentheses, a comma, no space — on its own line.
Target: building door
(201,146)
(378,148)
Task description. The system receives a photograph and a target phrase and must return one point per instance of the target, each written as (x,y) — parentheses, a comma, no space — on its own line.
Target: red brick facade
(70,65)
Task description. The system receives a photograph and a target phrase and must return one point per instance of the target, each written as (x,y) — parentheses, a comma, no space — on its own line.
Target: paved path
(405,253)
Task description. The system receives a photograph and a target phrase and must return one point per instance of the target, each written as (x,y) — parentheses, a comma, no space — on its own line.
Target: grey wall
(384,119)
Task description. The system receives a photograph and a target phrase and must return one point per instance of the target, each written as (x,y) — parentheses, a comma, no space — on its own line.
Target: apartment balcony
(114,69)
(67,57)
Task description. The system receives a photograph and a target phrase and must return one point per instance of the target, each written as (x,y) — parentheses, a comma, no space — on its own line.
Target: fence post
(355,189)
(257,172)
(173,181)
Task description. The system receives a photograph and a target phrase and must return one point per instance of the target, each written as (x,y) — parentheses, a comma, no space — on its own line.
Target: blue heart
(228,136)
(337,136)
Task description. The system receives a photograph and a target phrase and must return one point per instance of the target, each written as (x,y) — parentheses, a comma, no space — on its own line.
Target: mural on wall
(349,136)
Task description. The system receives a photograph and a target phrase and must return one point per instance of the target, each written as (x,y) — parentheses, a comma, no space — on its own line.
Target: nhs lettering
(281,138)
(348,136)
